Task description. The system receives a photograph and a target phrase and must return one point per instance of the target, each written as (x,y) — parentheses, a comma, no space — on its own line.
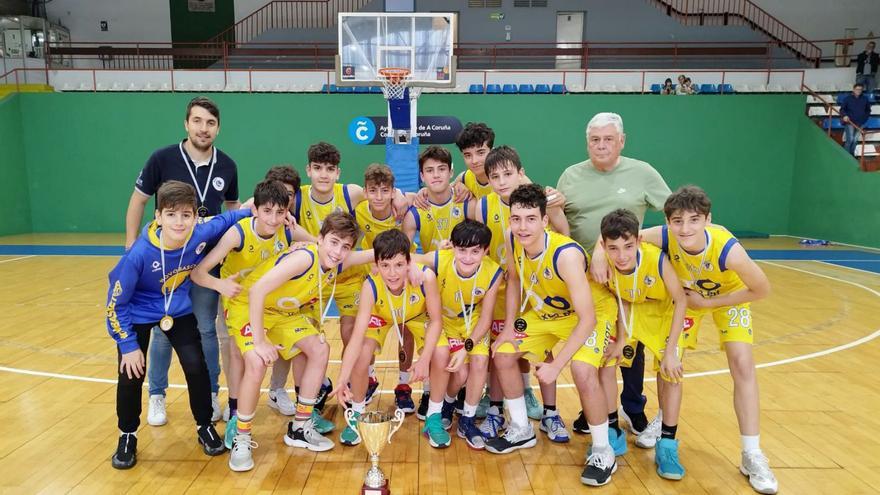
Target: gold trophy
(375,429)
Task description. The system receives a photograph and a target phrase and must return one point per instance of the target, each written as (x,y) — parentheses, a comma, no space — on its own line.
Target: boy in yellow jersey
(550,270)
(475,142)
(652,307)
(388,302)
(721,280)
(505,172)
(280,311)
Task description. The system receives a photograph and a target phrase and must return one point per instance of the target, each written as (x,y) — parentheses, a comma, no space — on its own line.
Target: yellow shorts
(282,329)
(540,337)
(347,296)
(416,327)
(456,336)
(652,323)
(734,324)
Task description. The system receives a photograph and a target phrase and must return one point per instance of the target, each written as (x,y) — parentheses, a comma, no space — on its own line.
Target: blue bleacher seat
(509,89)
(526,89)
(328,89)
(558,89)
(493,89)
(475,89)
(542,88)
(726,88)
(872,123)
(835,123)
(344,89)
(708,89)
(361,89)
(376,89)
(655,88)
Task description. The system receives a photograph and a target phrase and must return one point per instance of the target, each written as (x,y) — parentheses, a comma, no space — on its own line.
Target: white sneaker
(756,466)
(554,427)
(241,458)
(156,415)
(215,408)
(226,414)
(278,399)
(648,438)
(307,437)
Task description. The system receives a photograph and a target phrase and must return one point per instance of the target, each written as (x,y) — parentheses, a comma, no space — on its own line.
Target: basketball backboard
(419,42)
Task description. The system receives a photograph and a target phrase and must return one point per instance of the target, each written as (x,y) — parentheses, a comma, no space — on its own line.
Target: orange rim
(394,74)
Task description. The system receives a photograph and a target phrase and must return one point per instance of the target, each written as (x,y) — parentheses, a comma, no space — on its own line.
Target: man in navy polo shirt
(856,109)
(213,173)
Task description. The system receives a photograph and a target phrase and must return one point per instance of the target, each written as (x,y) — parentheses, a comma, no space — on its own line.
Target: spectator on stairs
(855,111)
(866,67)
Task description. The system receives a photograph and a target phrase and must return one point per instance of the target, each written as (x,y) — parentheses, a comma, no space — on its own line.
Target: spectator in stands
(855,111)
(686,87)
(668,88)
(866,67)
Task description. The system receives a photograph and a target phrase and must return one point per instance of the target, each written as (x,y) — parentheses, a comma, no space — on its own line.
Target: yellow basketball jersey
(310,214)
(495,214)
(435,224)
(370,225)
(649,285)
(547,293)
(458,294)
(413,297)
(478,190)
(252,250)
(705,272)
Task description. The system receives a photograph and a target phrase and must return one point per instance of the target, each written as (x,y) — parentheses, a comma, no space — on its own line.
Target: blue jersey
(137,282)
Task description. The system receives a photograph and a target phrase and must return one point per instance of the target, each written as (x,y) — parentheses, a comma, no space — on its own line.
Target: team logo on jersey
(478,292)
(218,183)
(456,212)
(376,322)
(287,303)
(649,280)
(157,266)
(548,274)
(413,298)
(367,227)
(708,266)
(201,247)
(279,246)
(496,218)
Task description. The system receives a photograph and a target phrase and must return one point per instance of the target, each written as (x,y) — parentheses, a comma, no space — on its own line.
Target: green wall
(13,173)
(831,198)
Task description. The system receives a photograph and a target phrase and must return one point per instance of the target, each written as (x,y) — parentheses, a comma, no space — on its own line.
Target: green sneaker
(322,426)
(349,436)
(533,407)
(483,406)
(438,437)
(231,431)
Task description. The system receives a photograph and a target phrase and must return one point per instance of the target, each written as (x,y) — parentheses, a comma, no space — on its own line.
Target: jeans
(204,304)
(851,137)
(867,80)
(631,398)
(184,337)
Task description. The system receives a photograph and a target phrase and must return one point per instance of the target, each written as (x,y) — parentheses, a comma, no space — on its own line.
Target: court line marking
(873,335)
(831,263)
(19,258)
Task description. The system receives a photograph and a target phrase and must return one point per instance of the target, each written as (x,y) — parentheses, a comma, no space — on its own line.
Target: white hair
(605,118)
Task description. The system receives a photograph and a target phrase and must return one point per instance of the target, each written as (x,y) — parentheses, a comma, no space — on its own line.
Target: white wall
(128,20)
(821,19)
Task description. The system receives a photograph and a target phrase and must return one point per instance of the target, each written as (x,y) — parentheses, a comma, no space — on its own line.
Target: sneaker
(216,412)
(600,466)
(581,425)
(307,437)
(618,442)
(516,437)
(126,451)
(349,435)
(210,440)
(446,414)
(423,406)
(280,401)
(231,431)
(322,426)
(226,413)
(637,422)
(756,466)
(467,429)
(436,432)
(491,426)
(459,401)
(322,395)
(533,407)
(649,436)
(666,458)
(403,398)
(241,457)
(483,406)
(156,412)
(554,427)
(372,386)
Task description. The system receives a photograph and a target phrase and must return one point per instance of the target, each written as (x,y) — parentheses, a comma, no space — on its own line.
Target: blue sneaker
(446,414)
(372,386)
(403,398)
(322,426)
(467,429)
(349,436)
(231,431)
(666,458)
(554,427)
(534,409)
(492,426)
(618,442)
(437,435)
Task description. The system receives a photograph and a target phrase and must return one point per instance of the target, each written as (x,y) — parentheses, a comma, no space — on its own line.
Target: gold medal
(166,323)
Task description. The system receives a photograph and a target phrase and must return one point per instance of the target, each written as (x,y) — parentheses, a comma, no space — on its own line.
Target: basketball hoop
(395,80)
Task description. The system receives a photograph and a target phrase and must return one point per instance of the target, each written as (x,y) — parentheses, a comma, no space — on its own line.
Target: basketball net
(395,81)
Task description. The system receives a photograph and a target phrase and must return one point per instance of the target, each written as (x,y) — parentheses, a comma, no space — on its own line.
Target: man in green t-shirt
(594,188)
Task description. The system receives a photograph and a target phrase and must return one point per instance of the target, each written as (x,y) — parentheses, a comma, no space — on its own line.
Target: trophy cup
(375,429)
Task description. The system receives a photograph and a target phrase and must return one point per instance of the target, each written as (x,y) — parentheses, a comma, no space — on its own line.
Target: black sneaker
(637,422)
(600,466)
(446,414)
(459,402)
(211,442)
(581,425)
(126,452)
(322,395)
(516,437)
(423,406)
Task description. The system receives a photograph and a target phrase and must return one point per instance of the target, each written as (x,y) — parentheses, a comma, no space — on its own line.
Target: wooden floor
(814,340)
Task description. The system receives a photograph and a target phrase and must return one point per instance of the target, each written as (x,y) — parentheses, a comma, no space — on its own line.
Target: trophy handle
(349,415)
(399,415)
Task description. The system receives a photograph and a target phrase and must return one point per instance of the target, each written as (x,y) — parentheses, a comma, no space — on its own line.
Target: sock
(304,408)
(495,407)
(526,380)
(550,410)
(403,377)
(667,431)
(461,395)
(233,406)
(359,406)
(426,386)
(751,442)
(517,408)
(372,371)
(600,435)
(434,408)
(613,422)
(244,424)
(295,389)
(449,399)
(326,382)
(469,410)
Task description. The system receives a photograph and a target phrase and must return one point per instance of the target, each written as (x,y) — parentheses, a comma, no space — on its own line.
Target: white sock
(600,435)
(426,386)
(359,406)
(449,399)
(751,442)
(517,408)
(434,407)
(403,377)
(526,380)
(326,382)
(372,371)
(470,410)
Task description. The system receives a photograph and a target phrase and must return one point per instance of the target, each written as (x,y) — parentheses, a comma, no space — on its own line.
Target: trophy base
(383,490)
